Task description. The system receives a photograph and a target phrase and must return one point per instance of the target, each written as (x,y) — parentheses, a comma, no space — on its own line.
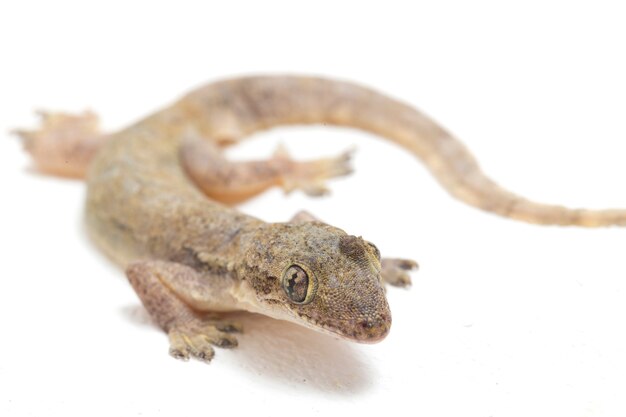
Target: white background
(503,319)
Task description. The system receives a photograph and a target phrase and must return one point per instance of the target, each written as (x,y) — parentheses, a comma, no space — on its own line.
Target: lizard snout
(372,330)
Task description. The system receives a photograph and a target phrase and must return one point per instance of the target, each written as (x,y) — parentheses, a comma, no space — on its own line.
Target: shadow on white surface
(290,354)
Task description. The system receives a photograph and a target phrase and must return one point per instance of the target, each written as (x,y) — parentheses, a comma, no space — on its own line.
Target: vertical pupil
(297,283)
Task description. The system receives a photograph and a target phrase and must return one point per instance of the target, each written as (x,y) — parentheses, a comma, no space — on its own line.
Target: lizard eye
(297,284)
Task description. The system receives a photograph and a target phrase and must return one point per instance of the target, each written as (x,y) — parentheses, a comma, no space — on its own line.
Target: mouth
(366,330)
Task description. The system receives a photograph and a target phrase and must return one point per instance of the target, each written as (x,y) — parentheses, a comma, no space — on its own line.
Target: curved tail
(245,105)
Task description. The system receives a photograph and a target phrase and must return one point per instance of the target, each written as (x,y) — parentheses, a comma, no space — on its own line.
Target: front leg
(166,289)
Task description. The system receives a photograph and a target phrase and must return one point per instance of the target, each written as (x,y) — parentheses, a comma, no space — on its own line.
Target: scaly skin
(187,254)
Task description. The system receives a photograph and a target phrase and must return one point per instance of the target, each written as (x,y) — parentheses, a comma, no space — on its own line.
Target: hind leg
(233,182)
(395,271)
(64,144)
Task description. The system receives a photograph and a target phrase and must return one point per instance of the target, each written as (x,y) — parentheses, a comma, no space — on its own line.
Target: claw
(311,176)
(226,342)
(228,327)
(195,338)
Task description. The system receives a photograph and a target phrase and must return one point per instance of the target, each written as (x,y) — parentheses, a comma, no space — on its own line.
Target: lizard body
(187,254)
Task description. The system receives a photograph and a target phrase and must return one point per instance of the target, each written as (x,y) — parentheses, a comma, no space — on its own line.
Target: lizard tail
(256,103)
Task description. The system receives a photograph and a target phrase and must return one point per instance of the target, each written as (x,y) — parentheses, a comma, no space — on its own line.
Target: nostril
(378,322)
(367,324)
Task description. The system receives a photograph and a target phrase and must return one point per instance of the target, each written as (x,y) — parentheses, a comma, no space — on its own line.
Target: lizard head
(321,277)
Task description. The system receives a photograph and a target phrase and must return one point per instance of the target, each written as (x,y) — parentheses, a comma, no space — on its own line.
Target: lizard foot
(196,338)
(396,271)
(310,176)
(64,144)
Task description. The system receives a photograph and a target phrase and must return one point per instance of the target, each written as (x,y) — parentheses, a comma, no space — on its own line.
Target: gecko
(161,202)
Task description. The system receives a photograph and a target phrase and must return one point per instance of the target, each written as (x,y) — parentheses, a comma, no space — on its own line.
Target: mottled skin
(187,255)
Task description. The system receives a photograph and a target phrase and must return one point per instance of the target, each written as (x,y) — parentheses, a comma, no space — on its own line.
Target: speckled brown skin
(187,254)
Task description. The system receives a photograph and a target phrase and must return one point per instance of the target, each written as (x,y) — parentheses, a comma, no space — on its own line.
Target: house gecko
(160,198)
